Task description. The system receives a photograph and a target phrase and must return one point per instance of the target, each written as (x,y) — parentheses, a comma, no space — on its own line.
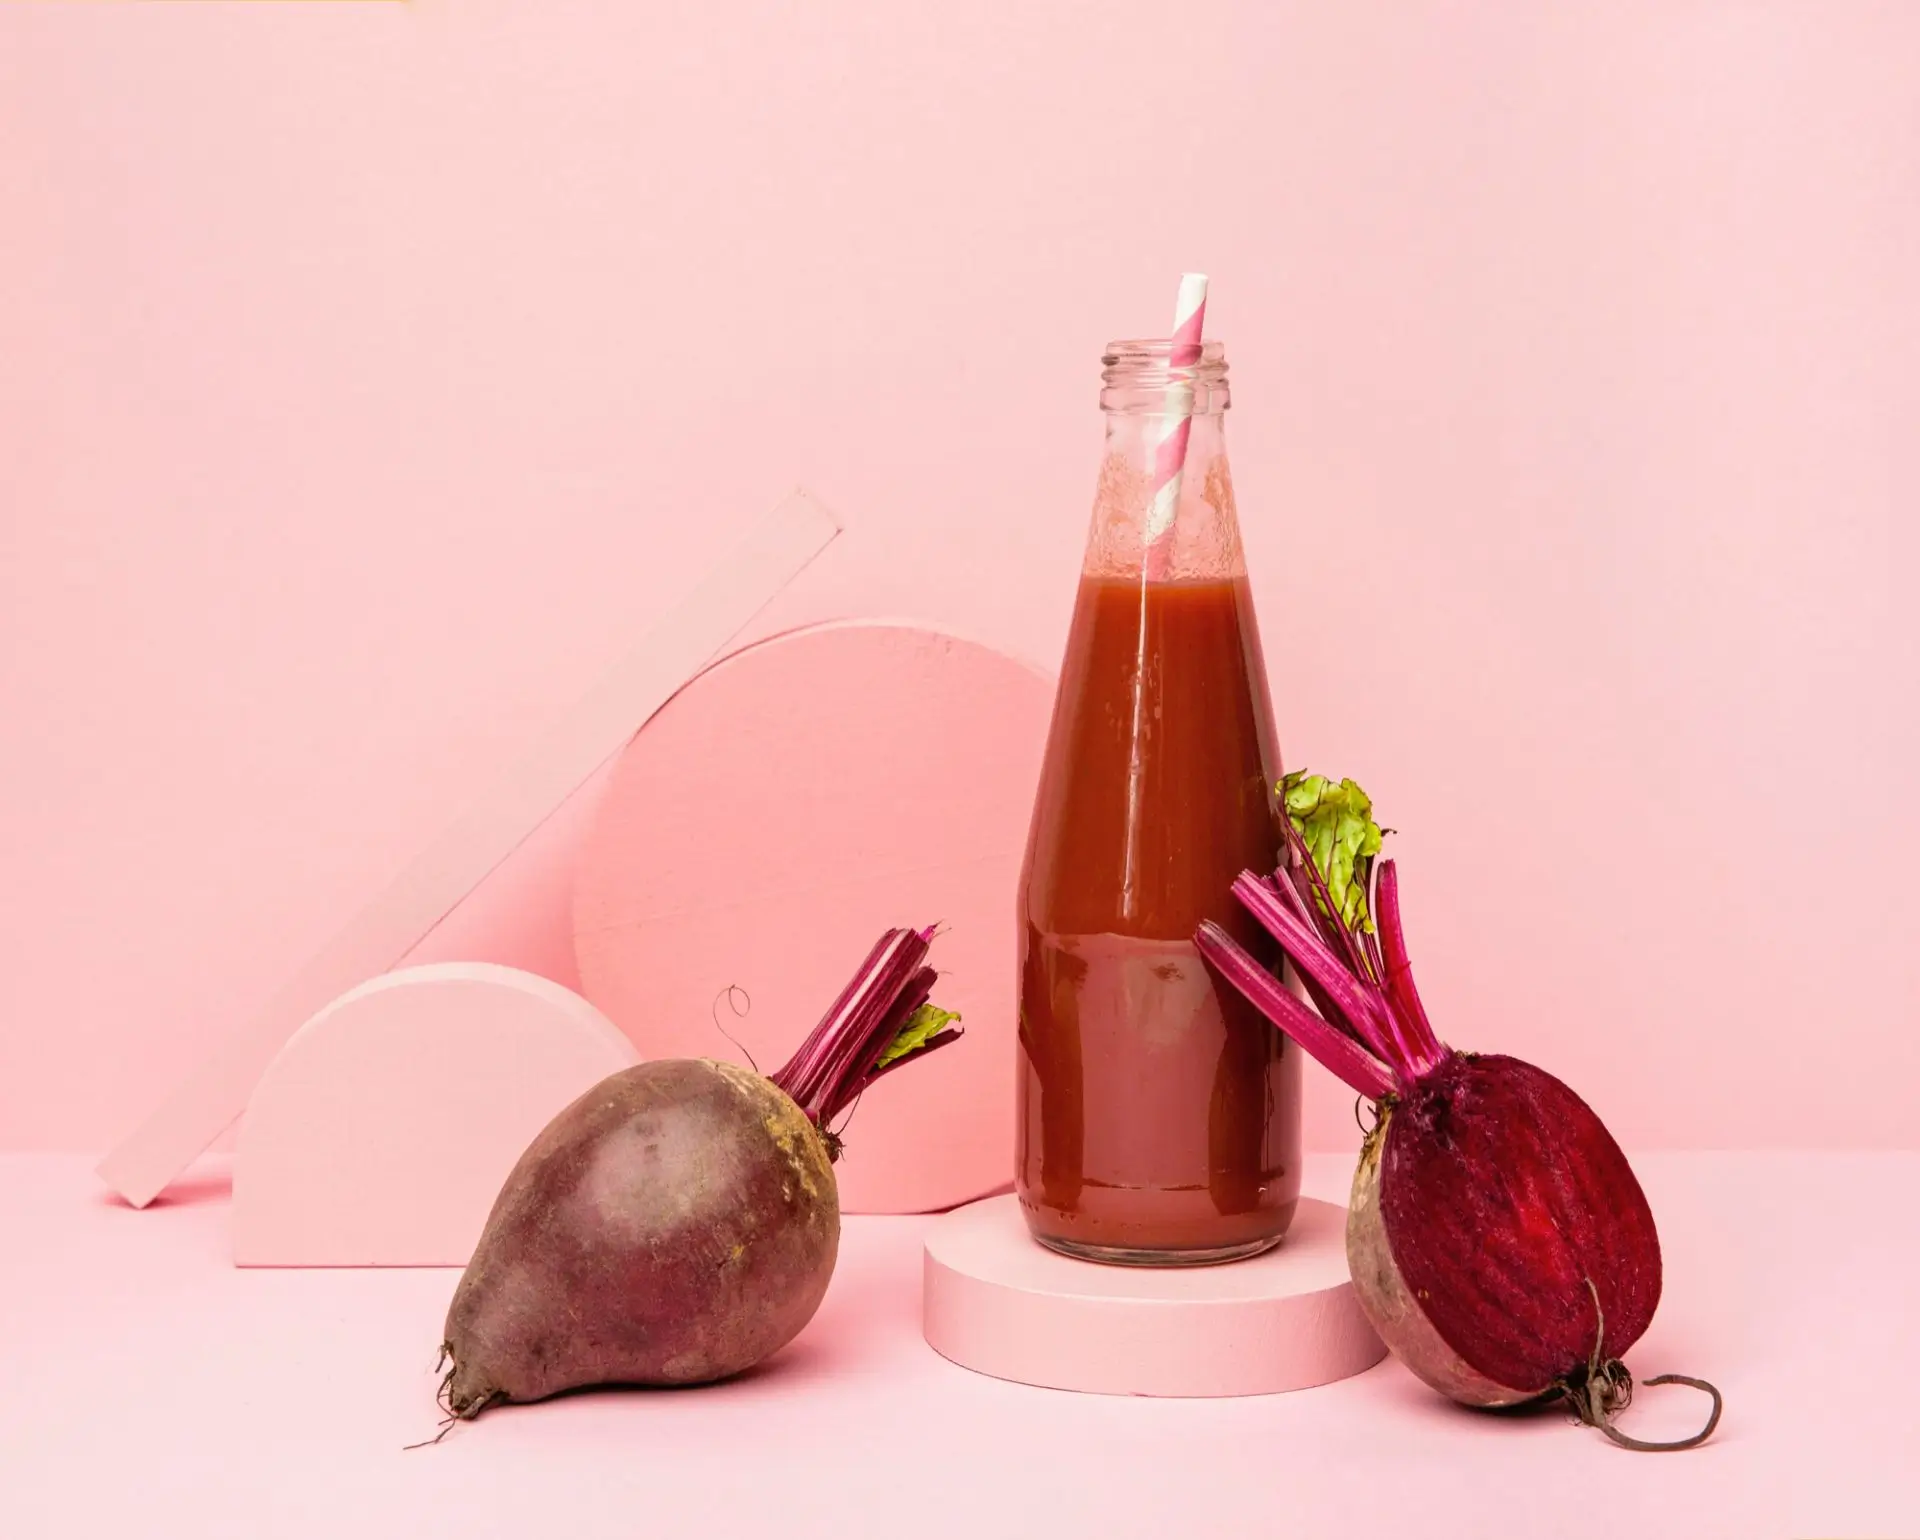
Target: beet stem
(852,1016)
(1326,1042)
(840,1057)
(857,1053)
(1370,943)
(1282,887)
(1360,1008)
(1322,911)
(1398,974)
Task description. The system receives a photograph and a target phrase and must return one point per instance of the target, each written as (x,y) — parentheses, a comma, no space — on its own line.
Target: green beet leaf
(1335,819)
(922,1027)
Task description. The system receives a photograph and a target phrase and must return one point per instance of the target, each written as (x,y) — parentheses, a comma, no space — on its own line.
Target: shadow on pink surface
(208,1181)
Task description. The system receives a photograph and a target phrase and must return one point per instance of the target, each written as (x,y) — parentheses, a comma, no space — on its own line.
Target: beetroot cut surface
(1502,1196)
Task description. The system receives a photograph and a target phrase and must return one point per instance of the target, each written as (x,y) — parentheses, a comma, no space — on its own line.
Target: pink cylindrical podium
(999,1303)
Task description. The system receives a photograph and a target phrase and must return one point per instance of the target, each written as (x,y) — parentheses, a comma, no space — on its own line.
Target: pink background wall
(367,372)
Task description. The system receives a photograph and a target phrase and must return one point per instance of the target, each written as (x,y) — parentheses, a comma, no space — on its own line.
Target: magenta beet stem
(1298,869)
(1357,1005)
(1371,1029)
(1398,970)
(1283,887)
(837,1061)
(1332,1047)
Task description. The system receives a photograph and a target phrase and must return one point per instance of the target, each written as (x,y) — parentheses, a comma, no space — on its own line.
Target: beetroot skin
(679,1222)
(686,1208)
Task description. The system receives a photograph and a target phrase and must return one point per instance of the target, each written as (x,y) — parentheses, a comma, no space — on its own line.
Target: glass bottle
(1159,1113)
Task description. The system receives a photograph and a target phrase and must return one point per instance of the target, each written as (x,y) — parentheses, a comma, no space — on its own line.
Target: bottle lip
(1148,350)
(1137,372)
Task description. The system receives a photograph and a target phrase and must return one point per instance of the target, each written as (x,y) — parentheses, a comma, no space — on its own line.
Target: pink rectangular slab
(679,642)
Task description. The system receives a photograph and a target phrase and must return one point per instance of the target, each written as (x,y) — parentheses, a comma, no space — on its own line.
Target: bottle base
(1133,1256)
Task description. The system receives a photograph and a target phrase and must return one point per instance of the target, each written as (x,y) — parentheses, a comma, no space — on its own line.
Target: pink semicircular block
(789,805)
(383,1130)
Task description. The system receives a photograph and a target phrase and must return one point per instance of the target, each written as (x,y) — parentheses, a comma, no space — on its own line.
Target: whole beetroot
(1498,1240)
(679,1222)
(685,1208)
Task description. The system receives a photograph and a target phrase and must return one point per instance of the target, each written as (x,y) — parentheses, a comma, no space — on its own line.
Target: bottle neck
(1145,391)
(1128,540)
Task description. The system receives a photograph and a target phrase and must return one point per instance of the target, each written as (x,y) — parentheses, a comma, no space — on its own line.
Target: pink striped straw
(1170,456)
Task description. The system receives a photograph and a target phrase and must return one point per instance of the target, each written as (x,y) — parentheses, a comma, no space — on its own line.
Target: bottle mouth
(1137,373)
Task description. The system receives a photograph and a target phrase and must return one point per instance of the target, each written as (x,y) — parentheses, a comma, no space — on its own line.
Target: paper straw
(1170,456)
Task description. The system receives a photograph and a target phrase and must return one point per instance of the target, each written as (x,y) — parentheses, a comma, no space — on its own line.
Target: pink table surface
(151,1388)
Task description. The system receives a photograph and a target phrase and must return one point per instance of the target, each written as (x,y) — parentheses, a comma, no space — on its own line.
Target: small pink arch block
(381,1133)
(777,815)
